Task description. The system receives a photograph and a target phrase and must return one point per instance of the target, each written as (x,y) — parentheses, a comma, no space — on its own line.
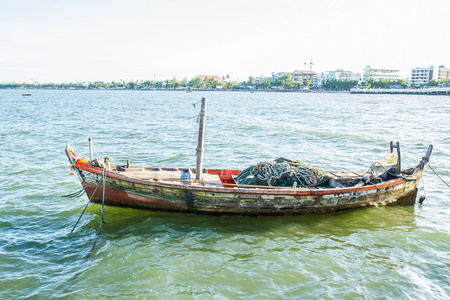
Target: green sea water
(375,253)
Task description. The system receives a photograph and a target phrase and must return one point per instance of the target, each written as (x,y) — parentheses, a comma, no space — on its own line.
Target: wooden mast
(91,151)
(201,134)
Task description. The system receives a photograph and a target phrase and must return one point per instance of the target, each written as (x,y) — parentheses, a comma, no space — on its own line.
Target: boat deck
(212,177)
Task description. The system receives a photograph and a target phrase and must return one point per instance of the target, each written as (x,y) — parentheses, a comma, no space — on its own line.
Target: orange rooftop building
(214,77)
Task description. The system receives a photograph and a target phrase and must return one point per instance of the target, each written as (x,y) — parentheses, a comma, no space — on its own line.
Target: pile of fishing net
(282,172)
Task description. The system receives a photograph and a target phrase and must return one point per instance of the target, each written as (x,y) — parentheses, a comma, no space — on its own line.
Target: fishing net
(282,172)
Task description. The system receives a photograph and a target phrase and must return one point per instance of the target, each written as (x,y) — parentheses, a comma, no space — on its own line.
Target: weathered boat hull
(179,197)
(218,192)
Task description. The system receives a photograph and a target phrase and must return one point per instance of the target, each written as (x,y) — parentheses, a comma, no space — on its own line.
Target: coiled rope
(282,172)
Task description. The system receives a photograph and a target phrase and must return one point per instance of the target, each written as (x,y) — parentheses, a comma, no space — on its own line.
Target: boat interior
(379,172)
(382,170)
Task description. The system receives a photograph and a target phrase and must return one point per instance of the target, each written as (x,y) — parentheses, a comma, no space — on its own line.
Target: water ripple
(387,252)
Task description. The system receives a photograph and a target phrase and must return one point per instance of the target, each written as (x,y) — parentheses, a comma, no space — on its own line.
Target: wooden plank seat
(172,175)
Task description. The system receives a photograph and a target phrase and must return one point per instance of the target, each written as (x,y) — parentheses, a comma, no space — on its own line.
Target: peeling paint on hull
(167,190)
(157,196)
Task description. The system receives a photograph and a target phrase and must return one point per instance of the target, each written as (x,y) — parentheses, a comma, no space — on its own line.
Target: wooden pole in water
(201,134)
(91,152)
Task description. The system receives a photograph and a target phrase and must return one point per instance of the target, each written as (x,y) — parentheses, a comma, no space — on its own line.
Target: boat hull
(168,197)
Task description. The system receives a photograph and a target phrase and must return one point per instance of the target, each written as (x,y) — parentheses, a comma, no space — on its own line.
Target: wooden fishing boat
(222,191)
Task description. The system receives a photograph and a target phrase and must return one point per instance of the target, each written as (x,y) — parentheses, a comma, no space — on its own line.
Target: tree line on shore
(285,82)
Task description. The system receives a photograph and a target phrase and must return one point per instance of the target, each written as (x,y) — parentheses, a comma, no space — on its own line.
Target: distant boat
(27,94)
(254,191)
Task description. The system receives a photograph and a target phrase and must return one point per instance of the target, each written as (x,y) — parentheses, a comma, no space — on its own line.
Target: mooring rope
(75,195)
(423,188)
(103,210)
(194,104)
(439,176)
(87,204)
(75,277)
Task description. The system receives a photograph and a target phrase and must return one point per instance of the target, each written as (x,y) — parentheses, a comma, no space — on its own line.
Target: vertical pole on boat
(201,133)
(399,164)
(91,152)
(399,161)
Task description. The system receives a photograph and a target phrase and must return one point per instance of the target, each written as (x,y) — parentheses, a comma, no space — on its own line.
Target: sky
(90,40)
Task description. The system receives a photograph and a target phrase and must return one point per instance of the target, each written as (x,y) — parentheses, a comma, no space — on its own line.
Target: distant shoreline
(429,91)
(181,90)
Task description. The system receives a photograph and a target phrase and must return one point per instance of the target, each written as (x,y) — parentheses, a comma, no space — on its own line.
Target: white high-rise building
(421,76)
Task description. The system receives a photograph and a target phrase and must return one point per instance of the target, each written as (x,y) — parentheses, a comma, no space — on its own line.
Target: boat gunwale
(244,189)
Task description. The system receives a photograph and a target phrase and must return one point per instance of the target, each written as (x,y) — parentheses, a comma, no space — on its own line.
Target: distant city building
(378,74)
(342,75)
(297,75)
(277,76)
(347,76)
(421,76)
(339,75)
(303,75)
(261,79)
(318,79)
(443,73)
